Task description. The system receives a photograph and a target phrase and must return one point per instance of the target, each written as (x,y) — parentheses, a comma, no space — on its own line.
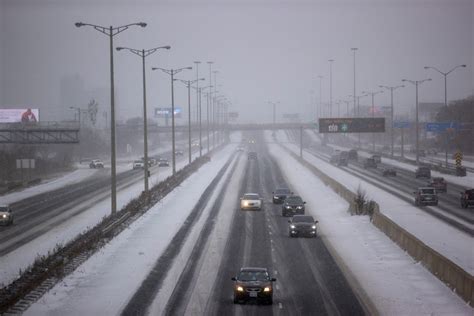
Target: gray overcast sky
(263,50)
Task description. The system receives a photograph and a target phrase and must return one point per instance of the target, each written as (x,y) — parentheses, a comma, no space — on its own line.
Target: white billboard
(19,115)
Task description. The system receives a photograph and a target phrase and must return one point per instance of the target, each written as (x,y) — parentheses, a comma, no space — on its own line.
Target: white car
(138,164)
(96,163)
(251,201)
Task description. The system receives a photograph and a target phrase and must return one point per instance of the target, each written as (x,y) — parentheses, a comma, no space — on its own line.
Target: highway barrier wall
(444,269)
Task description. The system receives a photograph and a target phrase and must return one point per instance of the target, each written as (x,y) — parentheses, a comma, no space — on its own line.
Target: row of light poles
(391,88)
(111,32)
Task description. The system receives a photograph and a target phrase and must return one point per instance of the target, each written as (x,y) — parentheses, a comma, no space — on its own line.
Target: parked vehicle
(163,162)
(439,184)
(6,215)
(377,158)
(426,196)
(467,198)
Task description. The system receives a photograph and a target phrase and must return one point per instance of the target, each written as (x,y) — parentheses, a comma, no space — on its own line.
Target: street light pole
(330,86)
(320,96)
(391,88)
(197,87)
(445,74)
(172,72)
(188,84)
(373,93)
(143,54)
(214,112)
(111,32)
(416,83)
(354,94)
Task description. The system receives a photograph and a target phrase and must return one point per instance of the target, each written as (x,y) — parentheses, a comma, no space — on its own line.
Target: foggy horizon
(264,51)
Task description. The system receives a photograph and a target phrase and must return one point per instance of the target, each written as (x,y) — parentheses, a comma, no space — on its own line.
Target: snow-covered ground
(24,256)
(396,284)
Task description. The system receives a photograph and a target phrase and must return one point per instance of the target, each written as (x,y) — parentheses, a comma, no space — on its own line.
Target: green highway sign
(352,125)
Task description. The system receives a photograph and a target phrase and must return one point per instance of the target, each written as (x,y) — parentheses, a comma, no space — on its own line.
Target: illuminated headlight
(288,207)
(4,215)
(246,203)
(267,289)
(313,227)
(299,207)
(240,289)
(292,226)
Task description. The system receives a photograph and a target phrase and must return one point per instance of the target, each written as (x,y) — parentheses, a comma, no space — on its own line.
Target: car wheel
(236,301)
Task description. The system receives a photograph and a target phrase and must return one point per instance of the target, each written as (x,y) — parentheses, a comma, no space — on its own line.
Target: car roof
(427,188)
(256,194)
(254,269)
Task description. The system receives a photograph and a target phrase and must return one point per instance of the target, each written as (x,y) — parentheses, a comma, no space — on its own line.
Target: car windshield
(424,169)
(3,209)
(294,199)
(437,180)
(137,161)
(303,219)
(427,191)
(470,194)
(253,276)
(282,191)
(251,197)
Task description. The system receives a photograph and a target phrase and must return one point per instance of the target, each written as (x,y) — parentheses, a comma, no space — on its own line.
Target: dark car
(253,284)
(377,158)
(279,195)
(467,198)
(426,196)
(439,184)
(163,162)
(352,155)
(252,155)
(423,172)
(293,205)
(6,215)
(370,163)
(388,171)
(302,225)
(342,161)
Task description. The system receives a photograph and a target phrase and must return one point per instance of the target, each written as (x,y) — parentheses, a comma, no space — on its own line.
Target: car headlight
(4,216)
(313,227)
(246,203)
(240,289)
(299,207)
(288,207)
(267,289)
(292,226)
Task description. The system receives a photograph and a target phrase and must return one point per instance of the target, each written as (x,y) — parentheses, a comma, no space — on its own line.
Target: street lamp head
(189,68)
(354,48)
(154,68)
(119,48)
(167,47)
(404,80)
(202,79)
(196,62)
(463,66)
(426,67)
(142,24)
(79,24)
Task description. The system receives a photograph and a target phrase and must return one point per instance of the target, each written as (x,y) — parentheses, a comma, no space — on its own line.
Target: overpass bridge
(68,132)
(39,133)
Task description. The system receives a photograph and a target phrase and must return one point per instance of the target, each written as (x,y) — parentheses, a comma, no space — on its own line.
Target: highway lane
(448,209)
(309,281)
(37,214)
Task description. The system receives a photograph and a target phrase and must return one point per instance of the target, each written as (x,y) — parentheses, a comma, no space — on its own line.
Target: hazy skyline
(264,51)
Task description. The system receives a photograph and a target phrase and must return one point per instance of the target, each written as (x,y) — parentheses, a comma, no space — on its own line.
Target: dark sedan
(293,205)
(253,284)
(279,195)
(302,225)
